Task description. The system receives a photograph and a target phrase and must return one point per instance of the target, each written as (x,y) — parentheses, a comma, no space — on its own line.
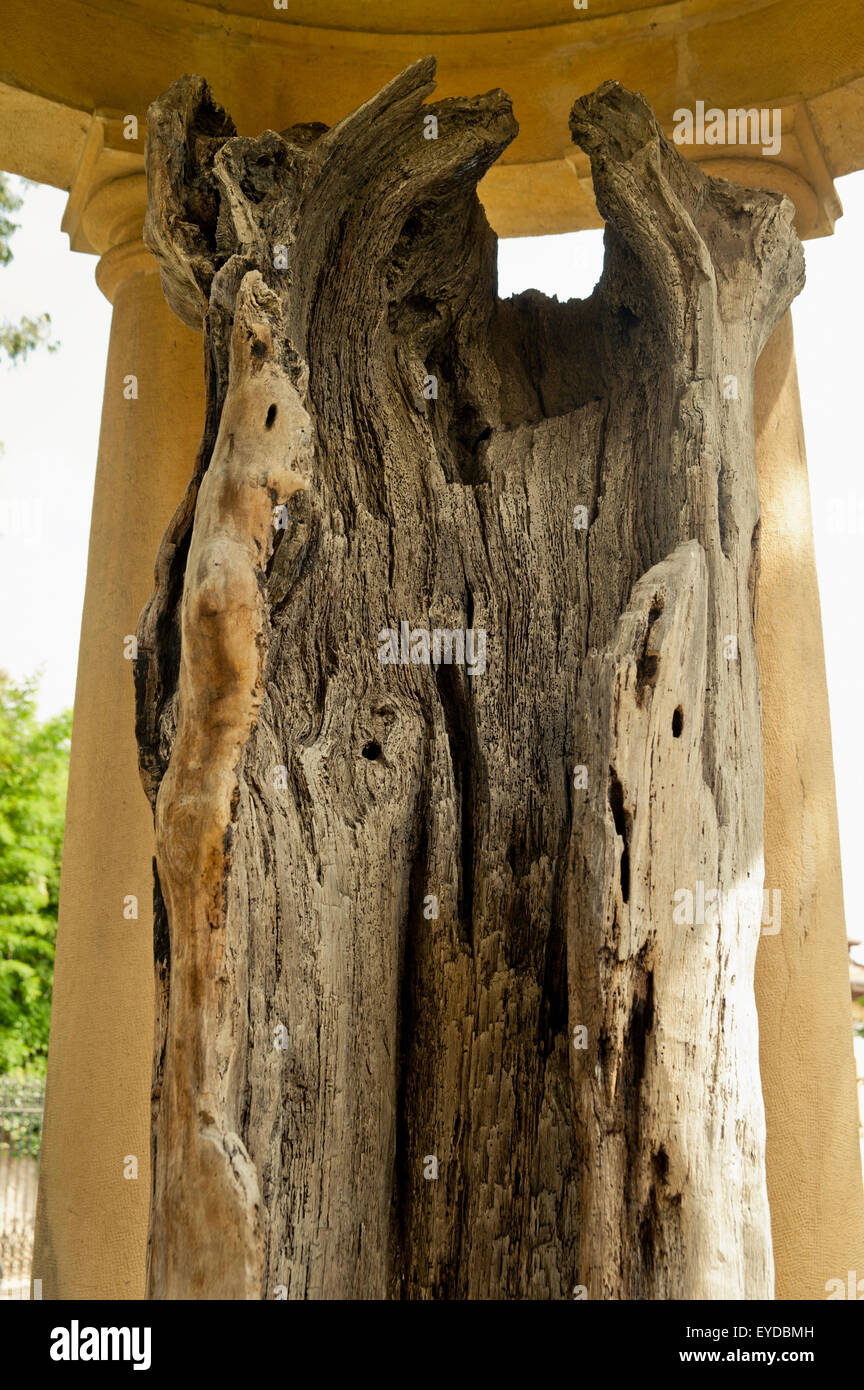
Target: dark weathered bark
(310,800)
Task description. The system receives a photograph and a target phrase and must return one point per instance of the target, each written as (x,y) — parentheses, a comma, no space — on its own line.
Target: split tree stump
(411,918)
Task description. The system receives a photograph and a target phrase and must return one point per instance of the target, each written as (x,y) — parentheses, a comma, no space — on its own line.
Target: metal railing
(21,1105)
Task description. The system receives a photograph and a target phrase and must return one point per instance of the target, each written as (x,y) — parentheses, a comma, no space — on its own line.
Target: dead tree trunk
(419,914)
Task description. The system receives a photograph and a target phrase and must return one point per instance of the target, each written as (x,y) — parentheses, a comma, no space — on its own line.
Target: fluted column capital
(107,201)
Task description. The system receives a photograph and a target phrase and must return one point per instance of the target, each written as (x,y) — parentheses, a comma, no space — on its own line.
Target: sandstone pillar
(802,979)
(92,1220)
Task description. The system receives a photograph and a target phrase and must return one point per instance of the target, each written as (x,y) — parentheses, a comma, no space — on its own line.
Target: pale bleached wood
(207,1188)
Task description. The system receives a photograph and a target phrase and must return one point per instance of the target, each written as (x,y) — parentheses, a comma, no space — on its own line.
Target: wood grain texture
(311,800)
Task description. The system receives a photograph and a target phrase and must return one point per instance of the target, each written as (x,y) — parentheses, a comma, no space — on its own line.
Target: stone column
(92,1214)
(802,975)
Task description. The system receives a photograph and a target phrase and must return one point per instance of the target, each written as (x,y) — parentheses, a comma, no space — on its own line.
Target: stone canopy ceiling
(317,59)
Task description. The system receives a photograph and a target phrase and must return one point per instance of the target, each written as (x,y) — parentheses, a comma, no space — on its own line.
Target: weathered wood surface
(311,800)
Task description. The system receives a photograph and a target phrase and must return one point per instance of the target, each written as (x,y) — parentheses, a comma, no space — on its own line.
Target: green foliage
(22,1100)
(9,202)
(34,765)
(17,339)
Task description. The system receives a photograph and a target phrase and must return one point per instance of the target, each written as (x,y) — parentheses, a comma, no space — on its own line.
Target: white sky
(49,426)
